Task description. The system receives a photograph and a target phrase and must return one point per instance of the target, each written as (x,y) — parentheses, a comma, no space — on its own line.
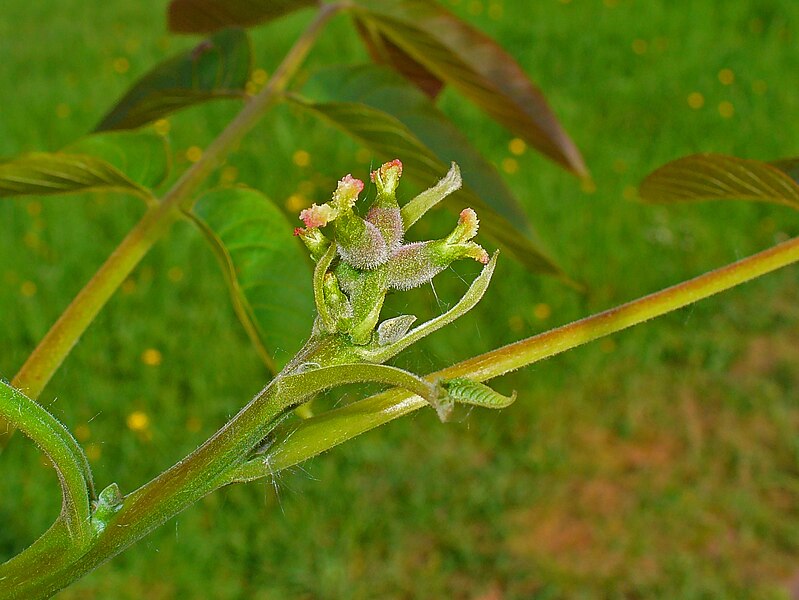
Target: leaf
(266,268)
(388,137)
(207,16)
(716,176)
(384,52)
(142,155)
(469,391)
(789,165)
(43,173)
(217,67)
(460,55)
(383,90)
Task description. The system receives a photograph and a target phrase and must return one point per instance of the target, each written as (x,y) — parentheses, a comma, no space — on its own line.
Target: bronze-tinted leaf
(789,166)
(44,173)
(716,176)
(384,90)
(390,138)
(207,16)
(217,67)
(265,266)
(384,52)
(478,67)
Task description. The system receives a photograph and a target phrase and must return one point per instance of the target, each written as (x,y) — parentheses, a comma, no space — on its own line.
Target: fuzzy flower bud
(385,212)
(314,240)
(416,264)
(387,177)
(347,192)
(318,216)
(372,256)
(360,243)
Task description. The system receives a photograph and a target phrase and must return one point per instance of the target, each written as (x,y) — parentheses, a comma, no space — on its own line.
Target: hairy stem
(222,458)
(149,506)
(321,433)
(209,467)
(73,322)
(66,455)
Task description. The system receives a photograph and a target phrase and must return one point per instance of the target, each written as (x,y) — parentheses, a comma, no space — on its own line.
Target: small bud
(318,216)
(337,303)
(467,225)
(392,330)
(108,503)
(347,192)
(387,177)
(314,240)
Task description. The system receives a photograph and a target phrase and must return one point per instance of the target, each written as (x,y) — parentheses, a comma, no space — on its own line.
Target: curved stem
(321,433)
(211,465)
(67,457)
(312,382)
(203,471)
(151,505)
(58,342)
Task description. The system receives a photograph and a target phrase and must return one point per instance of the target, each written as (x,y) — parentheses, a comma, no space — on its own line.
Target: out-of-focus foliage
(630,466)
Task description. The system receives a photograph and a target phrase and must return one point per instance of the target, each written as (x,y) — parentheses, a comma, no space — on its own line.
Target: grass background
(661,462)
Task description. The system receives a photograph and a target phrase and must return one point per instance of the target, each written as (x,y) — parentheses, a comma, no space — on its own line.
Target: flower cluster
(361,259)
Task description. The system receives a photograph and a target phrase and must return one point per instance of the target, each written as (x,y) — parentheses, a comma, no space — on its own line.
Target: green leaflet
(266,268)
(143,156)
(217,67)
(49,173)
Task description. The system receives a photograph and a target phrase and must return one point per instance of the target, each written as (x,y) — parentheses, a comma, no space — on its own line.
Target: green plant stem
(66,455)
(73,322)
(321,433)
(200,473)
(148,507)
(222,458)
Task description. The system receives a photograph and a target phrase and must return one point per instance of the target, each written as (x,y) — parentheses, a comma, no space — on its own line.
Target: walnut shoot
(360,259)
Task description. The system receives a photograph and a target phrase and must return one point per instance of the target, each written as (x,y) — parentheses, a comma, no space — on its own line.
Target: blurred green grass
(659,463)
